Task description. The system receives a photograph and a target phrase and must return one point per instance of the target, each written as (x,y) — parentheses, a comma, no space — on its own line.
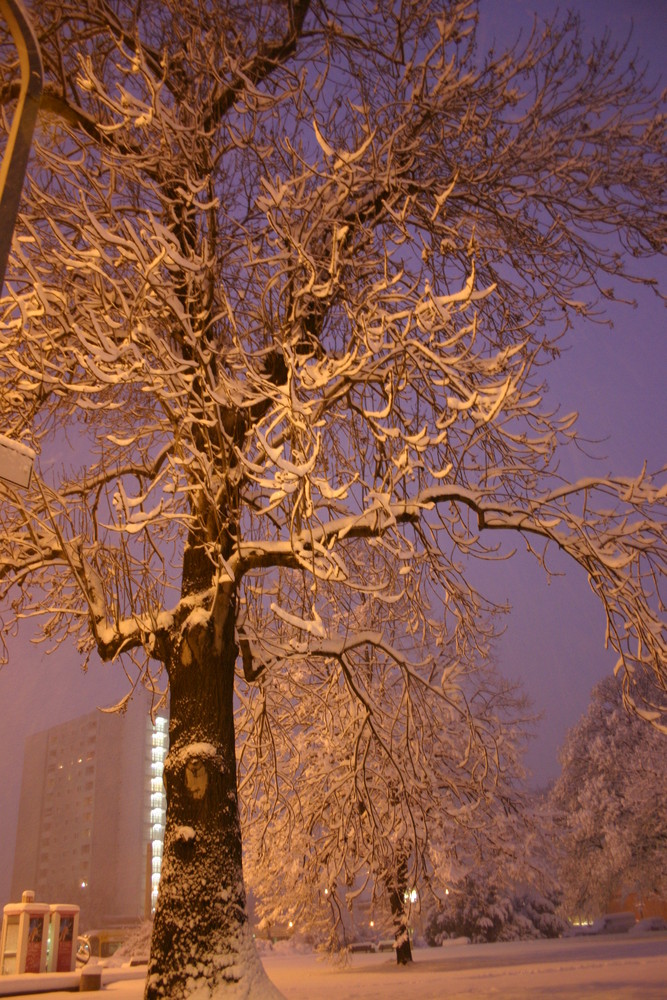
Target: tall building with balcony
(92,813)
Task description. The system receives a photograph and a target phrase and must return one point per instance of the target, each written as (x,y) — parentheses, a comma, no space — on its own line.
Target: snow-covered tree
(506,887)
(484,911)
(351,807)
(285,277)
(611,803)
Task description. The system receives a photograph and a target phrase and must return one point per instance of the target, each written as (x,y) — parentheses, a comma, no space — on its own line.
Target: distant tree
(376,811)
(286,274)
(611,803)
(507,887)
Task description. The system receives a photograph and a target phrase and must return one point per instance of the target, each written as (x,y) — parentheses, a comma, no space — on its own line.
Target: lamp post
(15,160)
(16,459)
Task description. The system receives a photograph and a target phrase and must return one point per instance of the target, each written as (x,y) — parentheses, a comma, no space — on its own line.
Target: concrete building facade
(91,815)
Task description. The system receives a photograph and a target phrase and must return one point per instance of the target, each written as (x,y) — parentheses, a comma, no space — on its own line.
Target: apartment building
(91,815)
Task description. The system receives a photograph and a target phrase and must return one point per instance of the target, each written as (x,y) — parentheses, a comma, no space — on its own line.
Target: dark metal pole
(15,160)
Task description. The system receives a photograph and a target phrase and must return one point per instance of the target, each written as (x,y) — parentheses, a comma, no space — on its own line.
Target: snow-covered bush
(536,914)
(137,944)
(484,912)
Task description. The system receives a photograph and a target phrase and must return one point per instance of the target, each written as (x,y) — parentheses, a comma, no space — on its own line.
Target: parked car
(99,945)
(610,923)
(577,930)
(649,924)
(613,923)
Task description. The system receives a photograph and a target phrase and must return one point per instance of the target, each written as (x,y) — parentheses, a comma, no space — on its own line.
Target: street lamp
(16,459)
(15,160)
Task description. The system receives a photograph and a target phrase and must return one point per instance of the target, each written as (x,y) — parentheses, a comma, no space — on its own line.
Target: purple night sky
(554,641)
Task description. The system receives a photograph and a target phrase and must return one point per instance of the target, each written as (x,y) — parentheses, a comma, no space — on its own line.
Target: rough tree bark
(200,936)
(399,903)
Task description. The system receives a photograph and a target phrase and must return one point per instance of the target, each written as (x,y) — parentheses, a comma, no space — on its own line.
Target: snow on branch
(275,329)
(621,548)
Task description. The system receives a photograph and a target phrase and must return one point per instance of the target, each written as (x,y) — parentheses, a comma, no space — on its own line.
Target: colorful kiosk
(25,932)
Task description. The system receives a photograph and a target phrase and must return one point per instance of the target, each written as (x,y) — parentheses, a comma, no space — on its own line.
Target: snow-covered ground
(617,967)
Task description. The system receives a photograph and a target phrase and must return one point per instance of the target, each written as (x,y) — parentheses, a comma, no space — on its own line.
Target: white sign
(16,461)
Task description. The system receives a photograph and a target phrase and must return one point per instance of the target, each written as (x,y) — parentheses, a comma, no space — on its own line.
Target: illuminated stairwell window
(159,747)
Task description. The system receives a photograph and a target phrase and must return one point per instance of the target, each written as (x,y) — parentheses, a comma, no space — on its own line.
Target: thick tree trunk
(201,945)
(398,888)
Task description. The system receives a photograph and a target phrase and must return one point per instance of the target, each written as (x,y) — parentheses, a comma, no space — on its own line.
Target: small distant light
(326,892)
(372,923)
(84,885)
(290,924)
(446,892)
